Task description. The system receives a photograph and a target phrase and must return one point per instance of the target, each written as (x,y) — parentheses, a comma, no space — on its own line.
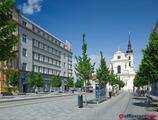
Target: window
(41,57)
(46,47)
(35,68)
(35,43)
(24,52)
(46,59)
(119,69)
(41,45)
(47,70)
(35,56)
(24,38)
(39,31)
(64,73)
(64,56)
(33,28)
(40,69)
(44,70)
(129,58)
(129,64)
(24,23)
(50,49)
(56,52)
(50,60)
(50,71)
(24,66)
(64,64)
(59,53)
(118,57)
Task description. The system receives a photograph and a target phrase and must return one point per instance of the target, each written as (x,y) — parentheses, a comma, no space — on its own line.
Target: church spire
(129,50)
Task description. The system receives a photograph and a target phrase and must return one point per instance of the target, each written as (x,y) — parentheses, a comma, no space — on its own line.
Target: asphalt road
(65,108)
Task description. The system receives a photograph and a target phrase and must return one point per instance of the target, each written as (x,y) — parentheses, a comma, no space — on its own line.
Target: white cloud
(31,6)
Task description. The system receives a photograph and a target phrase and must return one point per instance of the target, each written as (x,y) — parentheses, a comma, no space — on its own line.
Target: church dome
(118,51)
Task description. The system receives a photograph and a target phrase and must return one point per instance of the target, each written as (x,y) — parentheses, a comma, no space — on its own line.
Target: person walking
(110,92)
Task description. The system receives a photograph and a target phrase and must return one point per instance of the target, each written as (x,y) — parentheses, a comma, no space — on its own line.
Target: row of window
(119,57)
(45,59)
(46,47)
(119,67)
(46,70)
(45,35)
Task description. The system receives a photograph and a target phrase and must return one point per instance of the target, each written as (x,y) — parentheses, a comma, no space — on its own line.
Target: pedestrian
(110,92)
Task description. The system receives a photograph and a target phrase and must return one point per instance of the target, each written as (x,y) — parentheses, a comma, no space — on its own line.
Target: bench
(152,100)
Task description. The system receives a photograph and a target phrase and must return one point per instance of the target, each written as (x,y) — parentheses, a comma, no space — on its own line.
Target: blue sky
(105,22)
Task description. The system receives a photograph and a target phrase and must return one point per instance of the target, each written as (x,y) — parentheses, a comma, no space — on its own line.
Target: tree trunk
(86,93)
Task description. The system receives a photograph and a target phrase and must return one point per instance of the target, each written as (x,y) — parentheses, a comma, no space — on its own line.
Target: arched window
(129,57)
(119,69)
(129,64)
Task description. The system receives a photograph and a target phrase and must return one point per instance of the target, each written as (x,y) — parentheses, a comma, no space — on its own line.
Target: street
(65,108)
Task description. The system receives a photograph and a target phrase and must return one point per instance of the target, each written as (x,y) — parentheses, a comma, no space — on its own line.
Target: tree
(112,78)
(13,78)
(79,84)
(56,82)
(120,83)
(39,82)
(31,78)
(83,66)
(102,73)
(35,80)
(8,38)
(149,64)
(70,82)
(148,69)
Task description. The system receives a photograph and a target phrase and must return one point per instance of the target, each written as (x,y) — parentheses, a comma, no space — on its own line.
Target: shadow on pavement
(95,101)
(140,98)
(141,104)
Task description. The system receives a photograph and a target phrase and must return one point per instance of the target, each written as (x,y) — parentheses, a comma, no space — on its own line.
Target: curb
(34,98)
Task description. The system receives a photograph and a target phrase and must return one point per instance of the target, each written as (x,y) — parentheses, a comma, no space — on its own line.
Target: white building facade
(123,66)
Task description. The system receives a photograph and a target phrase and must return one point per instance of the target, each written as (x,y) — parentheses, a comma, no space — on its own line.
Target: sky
(106,23)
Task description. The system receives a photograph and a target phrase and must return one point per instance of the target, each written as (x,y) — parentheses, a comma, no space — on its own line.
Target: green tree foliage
(148,70)
(79,84)
(70,82)
(102,73)
(56,82)
(39,80)
(83,66)
(35,79)
(113,80)
(8,39)
(13,78)
(120,83)
(31,78)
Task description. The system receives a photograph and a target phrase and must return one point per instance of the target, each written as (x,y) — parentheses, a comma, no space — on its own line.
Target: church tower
(123,67)
(129,53)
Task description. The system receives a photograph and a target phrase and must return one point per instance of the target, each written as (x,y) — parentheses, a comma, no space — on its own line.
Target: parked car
(88,89)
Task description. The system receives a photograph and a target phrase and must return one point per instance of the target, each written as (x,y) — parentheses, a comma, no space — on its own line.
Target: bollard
(80,101)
